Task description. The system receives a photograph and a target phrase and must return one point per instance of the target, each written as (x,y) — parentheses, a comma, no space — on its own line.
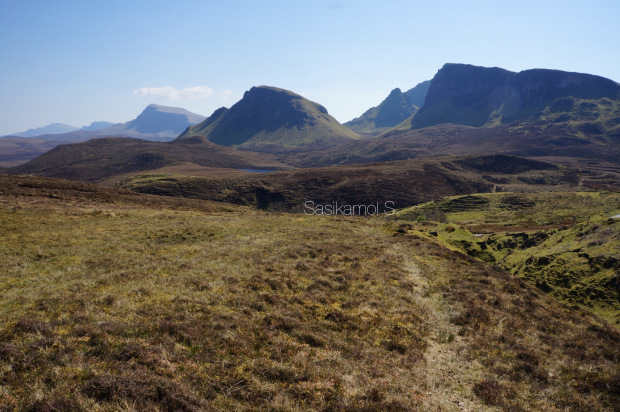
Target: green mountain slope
(272,119)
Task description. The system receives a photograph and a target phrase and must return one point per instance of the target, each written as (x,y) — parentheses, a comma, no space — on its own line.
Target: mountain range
(463,110)
(155,123)
(60,128)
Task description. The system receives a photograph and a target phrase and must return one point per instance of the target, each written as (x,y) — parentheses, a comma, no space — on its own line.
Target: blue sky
(81,61)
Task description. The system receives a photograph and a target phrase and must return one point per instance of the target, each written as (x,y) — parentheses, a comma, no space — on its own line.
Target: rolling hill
(99,159)
(272,120)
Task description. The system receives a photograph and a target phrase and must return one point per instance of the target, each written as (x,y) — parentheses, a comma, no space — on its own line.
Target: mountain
(393,110)
(98,159)
(54,128)
(575,138)
(98,125)
(155,123)
(272,119)
(480,96)
(417,95)
(161,121)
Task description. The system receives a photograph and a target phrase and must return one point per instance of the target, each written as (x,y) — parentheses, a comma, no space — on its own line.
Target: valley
(170,262)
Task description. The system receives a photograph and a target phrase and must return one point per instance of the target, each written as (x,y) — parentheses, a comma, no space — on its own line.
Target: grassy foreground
(115,307)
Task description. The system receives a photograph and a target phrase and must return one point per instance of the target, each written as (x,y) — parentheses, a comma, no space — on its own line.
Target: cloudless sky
(79,61)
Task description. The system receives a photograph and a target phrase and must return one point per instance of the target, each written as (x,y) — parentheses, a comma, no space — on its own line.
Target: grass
(562,242)
(116,307)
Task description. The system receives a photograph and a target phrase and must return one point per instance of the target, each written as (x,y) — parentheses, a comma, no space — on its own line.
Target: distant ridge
(274,120)
(98,125)
(155,123)
(53,128)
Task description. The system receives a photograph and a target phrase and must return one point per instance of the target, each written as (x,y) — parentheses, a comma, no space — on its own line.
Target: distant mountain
(159,120)
(54,128)
(155,123)
(272,119)
(480,96)
(98,125)
(395,109)
(158,123)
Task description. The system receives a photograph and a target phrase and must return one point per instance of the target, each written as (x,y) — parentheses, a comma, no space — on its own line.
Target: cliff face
(475,96)
(530,91)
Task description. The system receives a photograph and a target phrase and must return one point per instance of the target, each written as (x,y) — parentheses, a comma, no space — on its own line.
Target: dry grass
(125,308)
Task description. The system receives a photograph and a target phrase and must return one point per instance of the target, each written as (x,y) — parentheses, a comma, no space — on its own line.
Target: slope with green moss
(565,243)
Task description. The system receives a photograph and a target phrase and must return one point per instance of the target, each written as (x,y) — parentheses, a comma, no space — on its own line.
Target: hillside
(552,134)
(17,150)
(160,307)
(565,243)
(402,183)
(99,159)
(478,96)
(273,120)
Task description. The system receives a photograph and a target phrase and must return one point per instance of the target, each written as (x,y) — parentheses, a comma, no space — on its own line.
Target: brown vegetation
(136,308)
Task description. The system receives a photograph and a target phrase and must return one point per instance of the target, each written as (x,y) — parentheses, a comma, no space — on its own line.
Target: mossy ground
(563,242)
(110,307)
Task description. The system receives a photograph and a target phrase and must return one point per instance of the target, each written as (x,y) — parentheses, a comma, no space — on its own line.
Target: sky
(75,62)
